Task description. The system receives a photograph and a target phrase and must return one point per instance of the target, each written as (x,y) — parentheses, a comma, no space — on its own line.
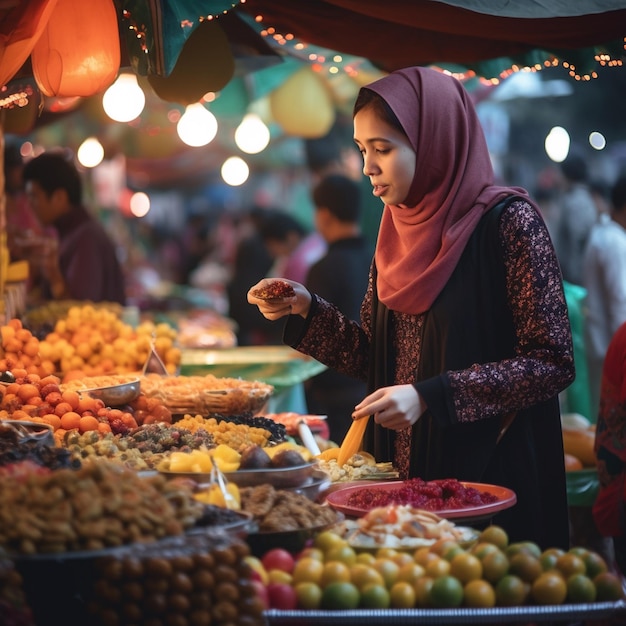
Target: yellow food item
(329,454)
(231,499)
(352,441)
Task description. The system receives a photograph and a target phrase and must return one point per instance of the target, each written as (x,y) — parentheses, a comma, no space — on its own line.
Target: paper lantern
(302,105)
(78,53)
(205,64)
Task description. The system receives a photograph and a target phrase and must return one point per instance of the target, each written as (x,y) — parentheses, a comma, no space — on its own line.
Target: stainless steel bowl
(116,395)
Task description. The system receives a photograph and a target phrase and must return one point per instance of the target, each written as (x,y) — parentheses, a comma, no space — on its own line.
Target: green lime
(446,592)
(580,589)
(375,596)
(340,596)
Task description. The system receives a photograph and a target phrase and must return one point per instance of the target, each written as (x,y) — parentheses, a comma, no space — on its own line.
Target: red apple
(282,596)
(278,558)
(261,592)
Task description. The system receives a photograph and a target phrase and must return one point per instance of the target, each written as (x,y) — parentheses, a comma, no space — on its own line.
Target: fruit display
(331,575)
(88,341)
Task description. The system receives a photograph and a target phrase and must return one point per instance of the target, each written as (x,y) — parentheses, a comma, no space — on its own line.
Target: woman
(464,336)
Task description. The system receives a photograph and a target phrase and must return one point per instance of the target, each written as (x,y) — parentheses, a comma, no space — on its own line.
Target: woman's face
(388,157)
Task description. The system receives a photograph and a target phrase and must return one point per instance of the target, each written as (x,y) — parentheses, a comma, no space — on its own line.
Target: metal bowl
(278,477)
(115,395)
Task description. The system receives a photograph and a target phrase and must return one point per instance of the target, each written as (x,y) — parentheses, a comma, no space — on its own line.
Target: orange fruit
(549,557)
(363,575)
(479,594)
(308,570)
(496,535)
(343,553)
(402,595)
(466,567)
(388,569)
(87,422)
(335,571)
(410,572)
(63,407)
(438,568)
(495,566)
(526,566)
(608,587)
(422,587)
(71,397)
(309,595)
(569,564)
(69,420)
(549,588)
(52,419)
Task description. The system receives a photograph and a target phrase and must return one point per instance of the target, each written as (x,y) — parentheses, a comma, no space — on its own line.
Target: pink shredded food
(432,495)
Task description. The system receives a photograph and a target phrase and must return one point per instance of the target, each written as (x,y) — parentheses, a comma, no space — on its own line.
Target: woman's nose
(369,166)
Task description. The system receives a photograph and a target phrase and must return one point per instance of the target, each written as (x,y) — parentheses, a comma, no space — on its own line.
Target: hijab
(420,242)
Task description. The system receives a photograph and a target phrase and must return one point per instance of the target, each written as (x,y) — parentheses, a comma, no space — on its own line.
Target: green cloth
(577,397)
(582,487)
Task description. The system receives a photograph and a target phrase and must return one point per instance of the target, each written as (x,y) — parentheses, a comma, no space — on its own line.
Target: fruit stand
(123,493)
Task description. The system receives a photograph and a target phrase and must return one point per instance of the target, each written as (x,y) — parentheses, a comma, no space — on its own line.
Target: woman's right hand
(299,304)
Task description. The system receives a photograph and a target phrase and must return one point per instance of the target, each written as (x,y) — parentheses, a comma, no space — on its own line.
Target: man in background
(84,264)
(604,278)
(341,278)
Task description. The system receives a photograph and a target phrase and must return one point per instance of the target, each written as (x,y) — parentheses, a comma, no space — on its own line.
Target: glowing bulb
(252,135)
(557,144)
(597,140)
(139,204)
(235,171)
(90,153)
(124,100)
(197,126)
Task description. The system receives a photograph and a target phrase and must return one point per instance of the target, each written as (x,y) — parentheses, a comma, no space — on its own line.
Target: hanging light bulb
(90,153)
(252,135)
(197,126)
(235,171)
(124,100)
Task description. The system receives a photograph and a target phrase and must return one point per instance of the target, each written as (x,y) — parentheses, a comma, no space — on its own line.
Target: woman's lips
(379,190)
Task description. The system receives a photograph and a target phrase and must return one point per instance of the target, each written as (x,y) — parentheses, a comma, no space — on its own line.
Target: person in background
(604,278)
(340,276)
(610,448)
(84,264)
(464,336)
(293,249)
(576,216)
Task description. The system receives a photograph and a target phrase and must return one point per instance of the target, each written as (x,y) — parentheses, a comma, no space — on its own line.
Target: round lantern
(78,53)
(205,64)
(302,105)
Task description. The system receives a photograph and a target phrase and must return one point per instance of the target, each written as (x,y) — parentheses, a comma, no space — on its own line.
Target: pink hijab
(420,243)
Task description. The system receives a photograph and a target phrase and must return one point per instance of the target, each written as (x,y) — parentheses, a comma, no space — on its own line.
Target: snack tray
(400,617)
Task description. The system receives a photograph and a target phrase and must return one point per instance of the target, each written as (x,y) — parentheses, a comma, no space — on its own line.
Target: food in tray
(360,466)
(207,394)
(401,527)
(274,290)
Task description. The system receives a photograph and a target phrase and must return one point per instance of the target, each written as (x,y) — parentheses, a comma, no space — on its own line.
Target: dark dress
(339,277)
(495,343)
(88,259)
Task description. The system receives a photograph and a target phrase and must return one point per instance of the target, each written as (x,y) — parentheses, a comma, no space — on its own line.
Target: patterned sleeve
(544,364)
(333,339)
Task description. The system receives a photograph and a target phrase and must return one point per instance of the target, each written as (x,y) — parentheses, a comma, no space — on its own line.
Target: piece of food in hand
(275,290)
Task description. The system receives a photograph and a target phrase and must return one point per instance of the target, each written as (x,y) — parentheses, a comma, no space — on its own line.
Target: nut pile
(100,505)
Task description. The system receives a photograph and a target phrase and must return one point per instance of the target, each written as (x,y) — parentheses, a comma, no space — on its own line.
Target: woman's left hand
(396,407)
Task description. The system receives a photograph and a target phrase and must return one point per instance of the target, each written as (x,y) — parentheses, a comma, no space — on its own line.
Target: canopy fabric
(401,33)
(537,8)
